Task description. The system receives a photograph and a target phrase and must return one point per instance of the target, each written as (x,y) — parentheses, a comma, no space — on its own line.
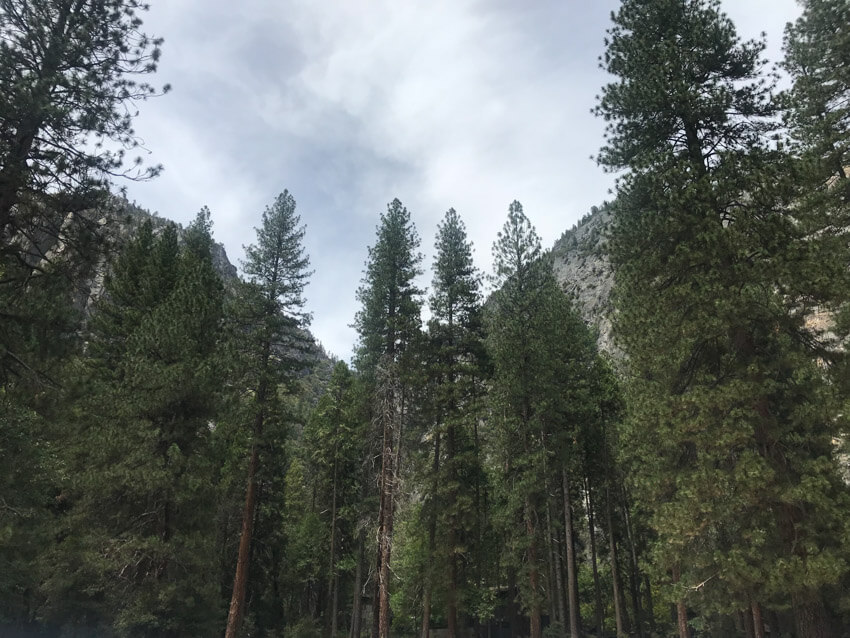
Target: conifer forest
(179,456)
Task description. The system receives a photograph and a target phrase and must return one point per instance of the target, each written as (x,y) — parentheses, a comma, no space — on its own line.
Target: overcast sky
(347,105)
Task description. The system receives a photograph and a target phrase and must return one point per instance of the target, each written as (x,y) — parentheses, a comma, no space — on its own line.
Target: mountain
(584,272)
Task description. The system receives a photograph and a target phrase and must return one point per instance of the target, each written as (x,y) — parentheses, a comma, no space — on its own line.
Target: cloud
(465,104)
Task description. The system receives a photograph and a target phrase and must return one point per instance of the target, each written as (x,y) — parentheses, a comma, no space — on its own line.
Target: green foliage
(67,80)
(816,52)
(136,542)
(730,418)
(388,320)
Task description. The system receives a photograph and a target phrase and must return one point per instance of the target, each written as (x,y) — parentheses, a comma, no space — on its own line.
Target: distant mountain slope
(584,272)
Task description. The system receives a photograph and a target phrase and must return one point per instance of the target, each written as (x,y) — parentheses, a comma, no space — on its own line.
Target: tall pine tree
(387,324)
(134,551)
(729,414)
(271,341)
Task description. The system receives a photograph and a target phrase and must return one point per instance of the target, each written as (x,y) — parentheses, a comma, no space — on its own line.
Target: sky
(441,103)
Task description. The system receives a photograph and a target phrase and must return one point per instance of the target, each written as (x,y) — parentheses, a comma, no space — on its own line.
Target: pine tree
(712,287)
(515,326)
(387,324)
(457,367)
(334,442)
(817,46)
(271,349)
(136,547)
(67,81)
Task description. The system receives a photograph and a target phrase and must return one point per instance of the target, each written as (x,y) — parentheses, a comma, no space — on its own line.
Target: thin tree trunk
(534,586)
(550,567)
(559,572)
(513,612)
(591,531)
(376,589)
(451,602)
(649,605)
(681,610)
(758,621)
(615,573)
(432,541)
(747,618)
(357,597)
(451,598)
(243,559)
(385,542)
(572,590)
(330,622)
(634,574)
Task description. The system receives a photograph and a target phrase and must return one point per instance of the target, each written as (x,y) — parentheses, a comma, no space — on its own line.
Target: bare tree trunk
(376,589)
(615,572)
(392,410)
(243,559)
(385,538)
(591,531)
(572,590)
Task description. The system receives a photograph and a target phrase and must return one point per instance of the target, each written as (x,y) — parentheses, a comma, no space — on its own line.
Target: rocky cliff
(584,272)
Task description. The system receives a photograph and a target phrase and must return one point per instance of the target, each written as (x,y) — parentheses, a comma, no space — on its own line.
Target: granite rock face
(584,272)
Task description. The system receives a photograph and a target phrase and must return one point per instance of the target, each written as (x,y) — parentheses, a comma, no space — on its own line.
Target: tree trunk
(747,619)
(385,542)
(572,590)
(649,605)
(432,541)
(555,559)
(392,411)
(681,610)
(534,586)
(597,589)
(634,574)
(240,580)
(451,598)
(810,615)
(330,622)
(513,612)
(357,597)
(758,621)
(615,572)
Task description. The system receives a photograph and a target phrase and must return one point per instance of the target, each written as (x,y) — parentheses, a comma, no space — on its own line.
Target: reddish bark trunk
(758,621)
(240,580)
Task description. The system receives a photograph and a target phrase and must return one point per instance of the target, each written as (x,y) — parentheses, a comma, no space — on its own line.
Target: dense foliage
(183,460)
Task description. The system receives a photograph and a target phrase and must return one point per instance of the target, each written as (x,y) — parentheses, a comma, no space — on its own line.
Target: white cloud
(469,104)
